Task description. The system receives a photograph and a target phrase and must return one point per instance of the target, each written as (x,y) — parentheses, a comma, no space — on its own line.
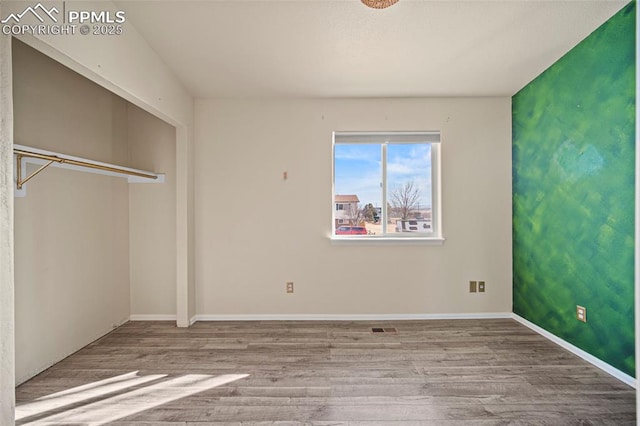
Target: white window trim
(384,138)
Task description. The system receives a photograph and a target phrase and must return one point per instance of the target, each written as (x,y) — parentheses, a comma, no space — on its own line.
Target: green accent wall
(573,194)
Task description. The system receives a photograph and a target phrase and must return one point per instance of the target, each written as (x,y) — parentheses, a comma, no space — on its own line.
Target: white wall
(152,217)
(72,228)
(255,231)
(7,328)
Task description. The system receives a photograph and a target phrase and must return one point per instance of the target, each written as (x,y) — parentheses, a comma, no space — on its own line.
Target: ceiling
(341,48)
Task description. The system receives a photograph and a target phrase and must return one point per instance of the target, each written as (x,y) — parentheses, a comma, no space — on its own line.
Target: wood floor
(450,372)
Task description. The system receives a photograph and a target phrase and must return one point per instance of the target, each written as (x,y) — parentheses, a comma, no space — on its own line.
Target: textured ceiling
(340,48)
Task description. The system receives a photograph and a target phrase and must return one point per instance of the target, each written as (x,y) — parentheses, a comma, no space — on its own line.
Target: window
(386,185)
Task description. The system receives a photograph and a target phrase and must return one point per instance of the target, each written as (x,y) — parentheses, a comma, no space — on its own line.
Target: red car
(351,230)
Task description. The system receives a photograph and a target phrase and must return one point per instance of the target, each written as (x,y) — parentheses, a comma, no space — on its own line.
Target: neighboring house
(345,208)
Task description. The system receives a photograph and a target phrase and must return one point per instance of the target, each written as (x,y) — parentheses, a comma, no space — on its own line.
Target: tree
(404,199)
(355,214)
(370,213)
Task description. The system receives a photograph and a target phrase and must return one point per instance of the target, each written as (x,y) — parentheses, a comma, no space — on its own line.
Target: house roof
(347,199)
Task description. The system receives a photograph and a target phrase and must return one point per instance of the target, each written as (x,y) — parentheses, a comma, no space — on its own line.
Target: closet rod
(52,158)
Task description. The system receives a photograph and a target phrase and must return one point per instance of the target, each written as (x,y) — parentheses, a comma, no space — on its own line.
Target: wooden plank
(442,372)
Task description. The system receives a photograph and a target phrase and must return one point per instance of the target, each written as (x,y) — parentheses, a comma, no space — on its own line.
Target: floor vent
(384,330)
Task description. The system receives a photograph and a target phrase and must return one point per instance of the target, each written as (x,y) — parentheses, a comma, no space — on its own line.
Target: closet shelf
(28,155)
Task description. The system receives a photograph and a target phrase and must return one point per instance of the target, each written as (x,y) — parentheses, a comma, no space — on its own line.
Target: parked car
(351,230)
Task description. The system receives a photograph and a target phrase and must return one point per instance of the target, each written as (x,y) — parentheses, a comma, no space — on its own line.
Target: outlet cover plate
(581,313)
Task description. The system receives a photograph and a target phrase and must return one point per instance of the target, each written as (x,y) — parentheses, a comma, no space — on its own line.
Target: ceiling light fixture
(379,4)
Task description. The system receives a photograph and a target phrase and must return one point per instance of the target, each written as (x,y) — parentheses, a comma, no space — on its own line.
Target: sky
(358,170)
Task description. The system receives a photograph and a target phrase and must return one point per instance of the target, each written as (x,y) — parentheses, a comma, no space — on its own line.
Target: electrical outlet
(290,287)
(473,286)
(581,313)
(481,286)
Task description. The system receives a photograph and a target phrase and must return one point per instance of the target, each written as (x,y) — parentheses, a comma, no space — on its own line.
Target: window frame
(384,139)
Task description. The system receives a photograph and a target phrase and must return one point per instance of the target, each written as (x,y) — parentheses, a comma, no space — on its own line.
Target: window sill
(370,240)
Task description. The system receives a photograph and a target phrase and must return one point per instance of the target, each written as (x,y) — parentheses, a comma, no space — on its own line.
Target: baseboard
(348,317)
(143,317)
(623,377)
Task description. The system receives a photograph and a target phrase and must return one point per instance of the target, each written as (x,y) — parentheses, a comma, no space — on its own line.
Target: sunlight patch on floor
(122,405)
(82,393)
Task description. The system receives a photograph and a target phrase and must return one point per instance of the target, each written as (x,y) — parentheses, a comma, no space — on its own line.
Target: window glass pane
(397,174)
(357,186)
(409,188)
